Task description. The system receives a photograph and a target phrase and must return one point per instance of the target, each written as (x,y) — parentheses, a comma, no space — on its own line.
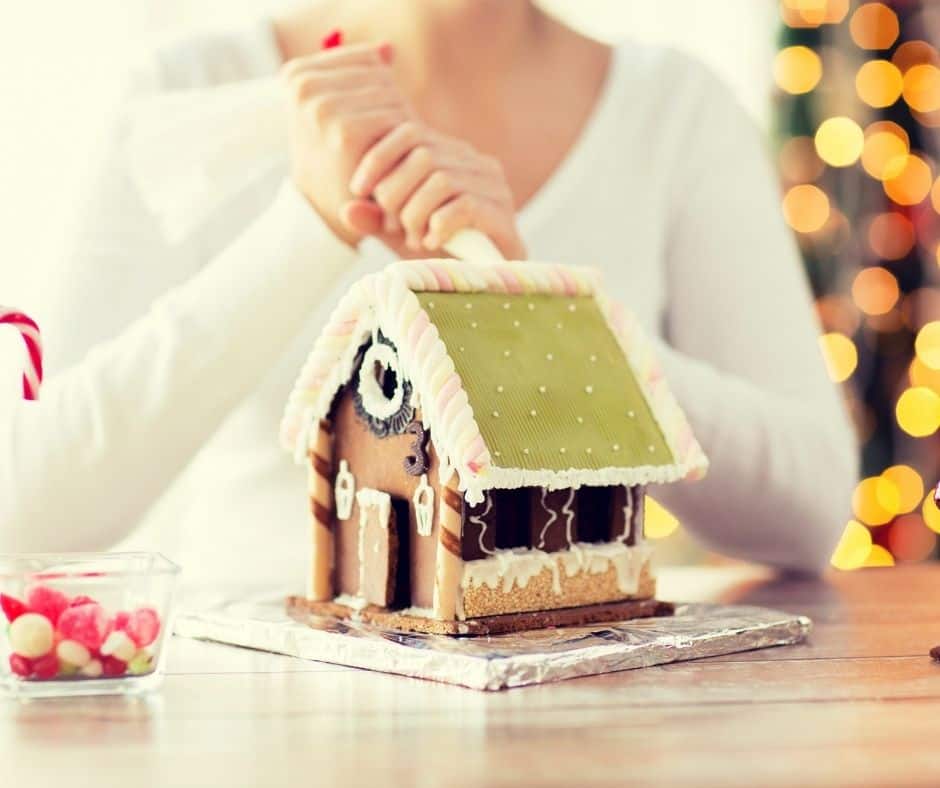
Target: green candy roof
(550,387)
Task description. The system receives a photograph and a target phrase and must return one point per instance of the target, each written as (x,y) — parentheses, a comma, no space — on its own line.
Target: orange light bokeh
(891,235)
(910,540)
(874,26)
(806,208)
(912,185)
(875,290)
(879,83)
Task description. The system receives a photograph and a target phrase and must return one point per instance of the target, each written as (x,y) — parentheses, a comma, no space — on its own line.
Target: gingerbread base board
(300,609)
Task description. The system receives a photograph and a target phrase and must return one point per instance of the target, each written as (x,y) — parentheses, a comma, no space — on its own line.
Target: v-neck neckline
(542,204)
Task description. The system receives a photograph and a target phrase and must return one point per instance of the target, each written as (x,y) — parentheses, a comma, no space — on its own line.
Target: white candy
(119,645)
(93,669)
(73,653)
(31,635)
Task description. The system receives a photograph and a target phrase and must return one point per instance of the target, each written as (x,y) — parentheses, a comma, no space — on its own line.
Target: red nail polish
(333,39)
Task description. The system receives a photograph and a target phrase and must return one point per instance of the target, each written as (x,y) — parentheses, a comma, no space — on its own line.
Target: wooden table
(857,705)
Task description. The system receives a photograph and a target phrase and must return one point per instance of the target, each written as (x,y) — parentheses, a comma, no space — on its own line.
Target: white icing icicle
(477,519)
(568,512)
(424,506)
(553,515)
(627,516)
(344,490)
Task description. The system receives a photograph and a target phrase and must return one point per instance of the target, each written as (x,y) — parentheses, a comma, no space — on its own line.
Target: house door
(383,549)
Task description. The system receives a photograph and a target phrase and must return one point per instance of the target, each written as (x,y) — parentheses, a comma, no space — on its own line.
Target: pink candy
(86,624)
(56,636)
(143,626)
(47,602)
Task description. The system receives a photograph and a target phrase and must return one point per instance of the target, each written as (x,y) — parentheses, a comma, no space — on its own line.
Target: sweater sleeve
(158,349)
(744,359)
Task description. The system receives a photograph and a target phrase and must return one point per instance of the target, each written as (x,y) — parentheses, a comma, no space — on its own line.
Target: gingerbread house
(478,439)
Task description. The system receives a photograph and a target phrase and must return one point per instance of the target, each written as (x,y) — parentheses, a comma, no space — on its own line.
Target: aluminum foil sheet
(499,661)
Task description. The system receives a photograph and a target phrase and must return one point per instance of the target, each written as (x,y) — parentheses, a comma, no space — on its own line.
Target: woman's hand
(342,101)
(429,186)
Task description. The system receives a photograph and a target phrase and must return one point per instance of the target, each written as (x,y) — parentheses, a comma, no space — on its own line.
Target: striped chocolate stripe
(321,513)
(451,542)
(453,499)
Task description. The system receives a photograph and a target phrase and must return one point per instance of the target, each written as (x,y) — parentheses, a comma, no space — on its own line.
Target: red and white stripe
(32,375)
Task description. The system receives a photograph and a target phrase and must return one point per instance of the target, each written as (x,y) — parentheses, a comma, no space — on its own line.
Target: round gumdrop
(47,602)
(85,624)
(21,666)
(31,635)
(72,652)
(143,626)
(46,667)
(12,607)
(112,666)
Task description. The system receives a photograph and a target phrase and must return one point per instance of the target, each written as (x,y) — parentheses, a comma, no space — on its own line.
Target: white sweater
(170,364)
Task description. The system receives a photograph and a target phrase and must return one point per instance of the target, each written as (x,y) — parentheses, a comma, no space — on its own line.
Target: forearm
(78,468)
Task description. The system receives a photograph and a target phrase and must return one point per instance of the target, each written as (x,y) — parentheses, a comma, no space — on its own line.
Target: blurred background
(847,91)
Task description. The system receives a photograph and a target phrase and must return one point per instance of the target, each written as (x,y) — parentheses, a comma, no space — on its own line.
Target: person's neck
(435,37)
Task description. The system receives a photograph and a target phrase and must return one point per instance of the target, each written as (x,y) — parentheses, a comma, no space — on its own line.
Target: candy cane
(32,375)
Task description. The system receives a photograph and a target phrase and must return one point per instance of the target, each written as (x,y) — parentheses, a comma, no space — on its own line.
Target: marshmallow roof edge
(594,410)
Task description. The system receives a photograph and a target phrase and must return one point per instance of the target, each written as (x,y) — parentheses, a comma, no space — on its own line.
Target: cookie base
(301,609)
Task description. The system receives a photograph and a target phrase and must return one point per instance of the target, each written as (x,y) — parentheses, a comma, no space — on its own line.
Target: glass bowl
(84,623)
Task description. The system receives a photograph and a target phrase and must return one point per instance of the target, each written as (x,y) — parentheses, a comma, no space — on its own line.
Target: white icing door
(378,547)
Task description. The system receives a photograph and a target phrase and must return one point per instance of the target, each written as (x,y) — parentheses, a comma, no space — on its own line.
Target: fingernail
(332,39)
(386,52)
(357,185)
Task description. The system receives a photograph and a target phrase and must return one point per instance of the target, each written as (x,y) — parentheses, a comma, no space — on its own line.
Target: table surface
(858,704)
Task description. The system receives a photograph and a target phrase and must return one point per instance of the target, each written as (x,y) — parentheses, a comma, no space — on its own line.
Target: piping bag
(191,152)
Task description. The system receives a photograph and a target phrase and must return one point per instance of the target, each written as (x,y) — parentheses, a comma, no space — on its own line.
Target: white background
(61,63)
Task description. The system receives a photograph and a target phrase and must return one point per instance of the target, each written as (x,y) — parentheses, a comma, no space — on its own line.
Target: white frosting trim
(423,501)
(344,491)
(373,398)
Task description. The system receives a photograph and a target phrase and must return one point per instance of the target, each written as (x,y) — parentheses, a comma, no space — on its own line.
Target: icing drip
(627,516)
(567,511)
(353,602)
(368,498)
(552,516)
(477,519)
(507,569)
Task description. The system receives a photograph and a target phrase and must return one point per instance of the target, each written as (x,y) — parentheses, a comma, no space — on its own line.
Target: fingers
(394,190)
(468,211)
(338,57)
(382,157)
(316,82)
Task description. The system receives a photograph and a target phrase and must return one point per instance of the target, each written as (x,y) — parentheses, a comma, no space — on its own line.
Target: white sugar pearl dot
(533,412)
(549,357)
(525,451)
(473,324)
(563,450)
(495,414)
(507,353)
(468,305)
(460,348)
(500,389)
(531,307)
(516,323)
(430,305)
(571,307)
(542,389)
(616,447)
(631,414)
(589,389)
(593,357)
(497,454)
(580,419)
(652,448)
(506,305)
(557,325)
(589,450)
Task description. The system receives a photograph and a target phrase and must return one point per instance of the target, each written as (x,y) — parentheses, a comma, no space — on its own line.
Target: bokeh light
(927,345)
(812,13)
(853,548)
(840,355)
(922,375)
(922,87)
(806,208)
(909,540)
(891,235)
(886,148)
(935,201)
(797,69)
(879,556)
(659,522)
(798,162)
(918,411)
(879,83)
(874,26)
(912,184)
(914,53)
(875,291)
(876,500)
(909,485)
(840,141)
(930,513)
